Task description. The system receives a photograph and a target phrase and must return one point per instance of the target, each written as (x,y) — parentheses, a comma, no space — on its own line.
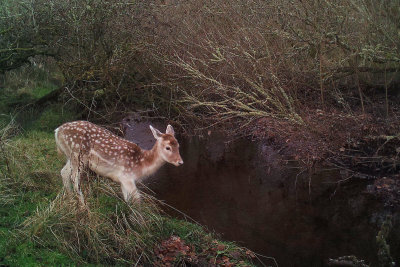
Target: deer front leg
(70,174)
(75,177)
(129,191)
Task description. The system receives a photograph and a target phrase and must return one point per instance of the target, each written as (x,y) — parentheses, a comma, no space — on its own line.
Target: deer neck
(152,160)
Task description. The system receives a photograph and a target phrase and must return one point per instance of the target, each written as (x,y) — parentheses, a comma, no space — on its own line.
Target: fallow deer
(87,145)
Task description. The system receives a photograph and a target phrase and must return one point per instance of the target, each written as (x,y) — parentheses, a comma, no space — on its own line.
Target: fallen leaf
(221,247)
(235,254)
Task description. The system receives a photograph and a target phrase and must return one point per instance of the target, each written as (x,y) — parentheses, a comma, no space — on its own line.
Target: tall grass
(106,231)
(7,131)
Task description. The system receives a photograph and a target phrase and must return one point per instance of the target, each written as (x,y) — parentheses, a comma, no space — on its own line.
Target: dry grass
(106,231)
(7,132)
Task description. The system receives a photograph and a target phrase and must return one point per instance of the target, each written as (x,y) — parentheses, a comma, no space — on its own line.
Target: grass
(40,225)
(25,252)
(40,222)
(17,106)
(29,165)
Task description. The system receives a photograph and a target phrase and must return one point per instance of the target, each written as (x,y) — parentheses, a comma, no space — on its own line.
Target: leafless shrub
(249,59)
(218,60)
(224,63)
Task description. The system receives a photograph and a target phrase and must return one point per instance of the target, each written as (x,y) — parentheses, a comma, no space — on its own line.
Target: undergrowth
(213,61)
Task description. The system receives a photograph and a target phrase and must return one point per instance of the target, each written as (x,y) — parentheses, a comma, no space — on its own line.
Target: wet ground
(247,193)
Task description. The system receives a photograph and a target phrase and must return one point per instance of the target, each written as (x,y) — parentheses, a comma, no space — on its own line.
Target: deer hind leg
(75,178)
(130,192)
(66,173)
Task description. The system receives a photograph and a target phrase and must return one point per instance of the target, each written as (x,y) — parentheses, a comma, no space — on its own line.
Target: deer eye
(168,148)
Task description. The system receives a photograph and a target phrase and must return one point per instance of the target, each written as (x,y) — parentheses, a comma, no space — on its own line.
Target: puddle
(245,193)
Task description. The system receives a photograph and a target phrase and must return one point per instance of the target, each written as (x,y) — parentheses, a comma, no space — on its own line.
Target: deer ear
(156,133)
(170,130)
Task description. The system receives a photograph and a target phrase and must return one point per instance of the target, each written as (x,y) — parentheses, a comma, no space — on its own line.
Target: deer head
(167,145)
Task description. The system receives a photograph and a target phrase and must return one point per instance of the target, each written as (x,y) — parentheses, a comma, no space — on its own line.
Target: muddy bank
(248,193)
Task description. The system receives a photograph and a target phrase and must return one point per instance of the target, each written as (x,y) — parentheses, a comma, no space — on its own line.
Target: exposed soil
(324,133)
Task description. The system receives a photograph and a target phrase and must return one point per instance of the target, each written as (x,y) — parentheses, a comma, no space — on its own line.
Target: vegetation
(383,248)
(41,225)
(296,68)
(316,75)
(213,61)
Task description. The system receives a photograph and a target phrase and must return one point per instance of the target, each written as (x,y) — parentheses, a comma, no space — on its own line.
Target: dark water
(247,194)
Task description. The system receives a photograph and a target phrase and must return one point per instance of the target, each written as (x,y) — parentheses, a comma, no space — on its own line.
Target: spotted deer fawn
(87,145)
